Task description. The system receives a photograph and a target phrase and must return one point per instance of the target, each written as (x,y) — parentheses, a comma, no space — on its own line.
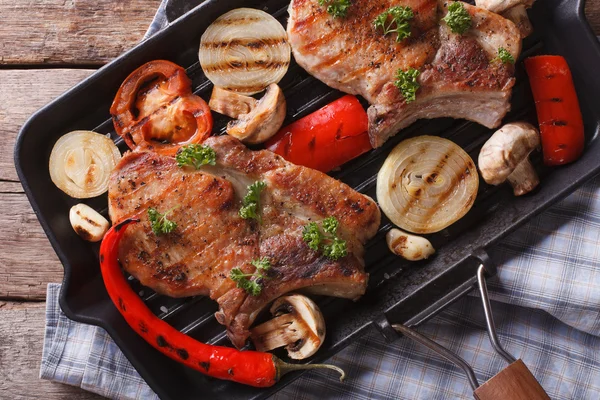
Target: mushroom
(410,247)
(298,325)
(256,120)
(505,156)
(514,10)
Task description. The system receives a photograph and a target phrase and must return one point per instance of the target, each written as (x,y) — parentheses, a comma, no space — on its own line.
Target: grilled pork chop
(211,238)
(458,77)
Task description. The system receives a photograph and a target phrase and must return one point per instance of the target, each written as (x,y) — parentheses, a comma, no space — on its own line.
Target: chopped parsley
(312,236)
(328,242)
(337,8)
(406,81)
(195,155)
(504,56)
(252,283)
(251,201)
(160,224)
(395,19)
(458,18)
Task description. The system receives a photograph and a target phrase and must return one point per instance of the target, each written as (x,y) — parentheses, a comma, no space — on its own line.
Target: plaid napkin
(546,303)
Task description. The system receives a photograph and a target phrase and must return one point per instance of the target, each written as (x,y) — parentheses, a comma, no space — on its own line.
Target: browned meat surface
(457,77)
(211,239)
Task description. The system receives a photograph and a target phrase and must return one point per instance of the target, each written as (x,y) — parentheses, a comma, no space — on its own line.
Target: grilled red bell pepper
(559,116)
(155,109)
(327,138)
(247,367)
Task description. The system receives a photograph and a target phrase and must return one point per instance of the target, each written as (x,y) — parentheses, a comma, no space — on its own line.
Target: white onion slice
(81,163)
(426,184)
(244,51)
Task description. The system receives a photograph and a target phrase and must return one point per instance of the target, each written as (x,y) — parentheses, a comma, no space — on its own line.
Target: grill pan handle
(515,382)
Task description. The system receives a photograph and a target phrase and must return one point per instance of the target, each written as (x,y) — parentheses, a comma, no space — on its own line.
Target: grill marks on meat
(457,78)
(211,239)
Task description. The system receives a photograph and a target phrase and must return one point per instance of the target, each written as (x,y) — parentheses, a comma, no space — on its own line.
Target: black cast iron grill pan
(398,291)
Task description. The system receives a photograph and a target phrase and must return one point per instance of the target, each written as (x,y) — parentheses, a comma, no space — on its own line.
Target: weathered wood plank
(89,32)
(21,338)
(71,31)
(27,261)
(22,93)
(592,12)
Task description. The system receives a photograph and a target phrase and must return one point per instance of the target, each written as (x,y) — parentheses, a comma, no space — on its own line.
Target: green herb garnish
(160,223)
(504,56)
(329,243)
(330,225)
(406,81)
(336,249)
(251,201)
(395,19)
(195,155)
(337,8)
(312,236)
(458,18)
(251,283)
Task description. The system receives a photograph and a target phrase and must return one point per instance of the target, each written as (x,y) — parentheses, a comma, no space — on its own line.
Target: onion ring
(426,184)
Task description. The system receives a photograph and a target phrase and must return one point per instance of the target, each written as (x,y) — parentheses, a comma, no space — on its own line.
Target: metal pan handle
(515,382)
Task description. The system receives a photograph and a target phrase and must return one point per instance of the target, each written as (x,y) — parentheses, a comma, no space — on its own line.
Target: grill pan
(398,291)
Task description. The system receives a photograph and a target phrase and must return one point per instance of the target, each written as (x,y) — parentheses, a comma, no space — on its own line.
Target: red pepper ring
(155,109)
(247,367)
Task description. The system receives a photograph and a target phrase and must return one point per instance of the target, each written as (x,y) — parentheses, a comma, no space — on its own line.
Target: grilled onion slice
(426,184)
(81,163)
(244,51)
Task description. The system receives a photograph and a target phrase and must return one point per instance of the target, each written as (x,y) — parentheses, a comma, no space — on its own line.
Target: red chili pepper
(561,123)
(156,109)
(327,138)
(247,367)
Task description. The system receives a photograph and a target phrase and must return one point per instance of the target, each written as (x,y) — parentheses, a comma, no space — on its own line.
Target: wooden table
(46,47)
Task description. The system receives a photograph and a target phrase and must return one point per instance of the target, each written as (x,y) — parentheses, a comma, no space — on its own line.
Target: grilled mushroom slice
(256,120)
(505,156)
(298,325)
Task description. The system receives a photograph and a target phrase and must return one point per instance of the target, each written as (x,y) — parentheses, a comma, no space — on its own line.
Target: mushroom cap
(263,121)
(506,149)
(308,317)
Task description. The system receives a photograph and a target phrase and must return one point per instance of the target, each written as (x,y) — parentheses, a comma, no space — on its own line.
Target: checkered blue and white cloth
(546,303)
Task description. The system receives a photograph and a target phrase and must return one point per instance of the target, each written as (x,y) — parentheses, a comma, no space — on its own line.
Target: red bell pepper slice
(327,138)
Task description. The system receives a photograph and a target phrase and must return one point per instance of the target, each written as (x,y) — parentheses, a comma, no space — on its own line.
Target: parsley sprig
(395,19)
(406,81)
(252,283)
(504,56)
(458,18)
(337,8)
(327,240)
(195,155)
(251,201)
(159,223)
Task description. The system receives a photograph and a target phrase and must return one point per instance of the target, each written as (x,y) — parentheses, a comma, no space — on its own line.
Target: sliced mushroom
(410,247)
(505,156)
(298,325)
(256,120)
(514,10)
